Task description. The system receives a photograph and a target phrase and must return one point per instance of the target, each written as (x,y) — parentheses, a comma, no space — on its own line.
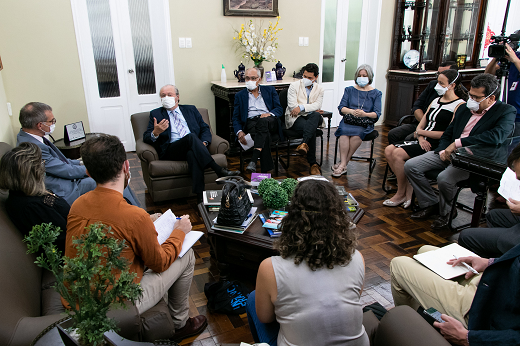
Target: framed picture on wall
(251,8)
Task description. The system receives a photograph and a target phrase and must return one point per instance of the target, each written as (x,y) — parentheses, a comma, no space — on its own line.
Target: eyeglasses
(53,121)
(251,78)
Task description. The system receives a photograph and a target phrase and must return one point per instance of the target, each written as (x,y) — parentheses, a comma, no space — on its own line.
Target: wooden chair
(369,137)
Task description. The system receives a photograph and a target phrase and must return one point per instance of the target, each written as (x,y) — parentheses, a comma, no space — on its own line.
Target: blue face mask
(362,81)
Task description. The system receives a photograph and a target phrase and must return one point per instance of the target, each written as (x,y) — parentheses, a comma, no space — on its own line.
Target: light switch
(188,42)
(9,109)
(306,41)
(182,42)
(300,41)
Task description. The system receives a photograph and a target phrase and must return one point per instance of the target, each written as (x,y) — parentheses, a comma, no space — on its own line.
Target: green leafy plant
(265,185)
(275,197)
(89,281)
(289,185)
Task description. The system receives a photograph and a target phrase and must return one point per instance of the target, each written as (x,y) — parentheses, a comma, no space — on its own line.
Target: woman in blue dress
(363,101)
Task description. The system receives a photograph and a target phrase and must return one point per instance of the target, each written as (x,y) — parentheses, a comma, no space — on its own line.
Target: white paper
(164,225)
(190,239)
(509,185)
(436,260)
(249,143)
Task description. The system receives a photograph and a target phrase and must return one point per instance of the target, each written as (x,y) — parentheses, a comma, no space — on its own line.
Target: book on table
(435,260)
(237,229)
(212,197)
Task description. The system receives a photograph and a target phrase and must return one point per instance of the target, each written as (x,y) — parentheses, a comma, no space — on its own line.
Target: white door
(126,57)
(349,37)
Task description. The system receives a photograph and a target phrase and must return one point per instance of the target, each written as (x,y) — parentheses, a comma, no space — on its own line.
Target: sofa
(29,303)
(172,179)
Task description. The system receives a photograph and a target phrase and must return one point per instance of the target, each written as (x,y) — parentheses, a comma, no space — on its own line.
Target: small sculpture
(240,74)
(280,70)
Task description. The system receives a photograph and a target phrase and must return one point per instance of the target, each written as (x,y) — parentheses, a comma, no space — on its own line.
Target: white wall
(6,129)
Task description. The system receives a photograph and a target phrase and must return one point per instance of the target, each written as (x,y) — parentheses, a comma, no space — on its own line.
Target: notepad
(509,185)
(436,260)
(249,142)
(164,227)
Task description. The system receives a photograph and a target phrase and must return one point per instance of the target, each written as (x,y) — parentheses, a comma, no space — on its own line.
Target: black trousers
(261,130)
(190,148)
(502,234)
(306,127)
(401,133)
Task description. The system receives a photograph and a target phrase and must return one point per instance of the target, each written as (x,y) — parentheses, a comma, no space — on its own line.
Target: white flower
(253,35)
(244,42)
(269,48)
(252,27)
(253,49)
(248,48)
(273,50)
(263,39)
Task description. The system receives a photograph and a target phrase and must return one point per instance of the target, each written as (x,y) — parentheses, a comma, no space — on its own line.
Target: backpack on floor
(226,297)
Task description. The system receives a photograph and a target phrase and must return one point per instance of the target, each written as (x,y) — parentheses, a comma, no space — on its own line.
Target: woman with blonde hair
(360,108)
(309,295)
(22,172)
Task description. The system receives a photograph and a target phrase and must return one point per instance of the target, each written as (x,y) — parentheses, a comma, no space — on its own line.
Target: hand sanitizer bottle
(223,75)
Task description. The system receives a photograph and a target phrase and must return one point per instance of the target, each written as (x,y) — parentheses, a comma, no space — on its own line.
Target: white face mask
(168,102)
(51,129)
(362,81)
(307,82)
(251,85)
(474,105)
(440,89)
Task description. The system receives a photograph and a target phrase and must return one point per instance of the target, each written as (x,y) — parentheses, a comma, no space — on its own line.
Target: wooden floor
(383,234)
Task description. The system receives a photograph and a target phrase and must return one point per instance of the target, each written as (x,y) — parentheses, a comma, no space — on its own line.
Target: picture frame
(251,8)
(73,132)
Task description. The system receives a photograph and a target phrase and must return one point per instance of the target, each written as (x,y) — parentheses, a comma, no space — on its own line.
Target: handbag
(235,205)
(358,121)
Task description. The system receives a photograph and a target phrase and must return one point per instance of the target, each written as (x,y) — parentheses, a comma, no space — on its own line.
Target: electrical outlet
(182,42)
(188,42)
(306,41)
(300,41)
(9,109)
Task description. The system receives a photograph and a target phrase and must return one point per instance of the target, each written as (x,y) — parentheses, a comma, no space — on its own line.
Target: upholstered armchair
(172,179)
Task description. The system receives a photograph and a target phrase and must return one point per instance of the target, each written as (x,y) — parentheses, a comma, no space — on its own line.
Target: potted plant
(274,194)
(87,281)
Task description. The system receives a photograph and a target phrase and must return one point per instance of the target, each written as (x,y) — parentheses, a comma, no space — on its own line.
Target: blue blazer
(60,177)
(272,102)
(492,129)
(193,118)
(494,316)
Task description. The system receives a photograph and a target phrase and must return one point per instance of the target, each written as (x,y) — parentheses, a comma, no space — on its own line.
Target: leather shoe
(225,173)
(302,149)
(315,169)
(194,326)
(251,167)
(426,212)
(442,221)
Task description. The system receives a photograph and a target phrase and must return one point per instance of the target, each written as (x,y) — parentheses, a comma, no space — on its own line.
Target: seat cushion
(168,168)
(372,135)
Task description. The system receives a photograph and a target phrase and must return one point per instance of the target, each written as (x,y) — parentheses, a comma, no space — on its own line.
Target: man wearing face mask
(257,111)
(64,177)
(303,113)
(482,120)
(179,133)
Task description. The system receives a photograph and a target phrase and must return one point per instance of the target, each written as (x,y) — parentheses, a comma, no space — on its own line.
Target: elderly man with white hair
(257,112)
(179,133)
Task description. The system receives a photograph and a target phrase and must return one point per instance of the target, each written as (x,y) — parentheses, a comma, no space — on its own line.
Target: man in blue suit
(257,112)
(64,177)
(179,133)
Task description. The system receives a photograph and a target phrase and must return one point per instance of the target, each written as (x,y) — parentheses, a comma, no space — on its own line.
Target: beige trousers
(175,283)
(413,284)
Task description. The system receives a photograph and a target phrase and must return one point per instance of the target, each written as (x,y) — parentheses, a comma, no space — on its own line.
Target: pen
(468,267)
(179,218)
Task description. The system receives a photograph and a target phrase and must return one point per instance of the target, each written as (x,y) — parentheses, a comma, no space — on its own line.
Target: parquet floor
(383,234)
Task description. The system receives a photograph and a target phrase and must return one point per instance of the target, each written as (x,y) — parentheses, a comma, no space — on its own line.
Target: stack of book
(237,229)
(272,222)
(212,199)
(350,202)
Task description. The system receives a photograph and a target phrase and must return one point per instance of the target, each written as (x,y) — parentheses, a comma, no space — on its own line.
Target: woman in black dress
(439,115)
(22,172)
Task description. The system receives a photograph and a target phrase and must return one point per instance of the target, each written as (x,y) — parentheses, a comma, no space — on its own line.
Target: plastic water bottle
(223,75)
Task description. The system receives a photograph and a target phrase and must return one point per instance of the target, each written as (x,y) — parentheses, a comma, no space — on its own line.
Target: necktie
(56,150)
(179,125)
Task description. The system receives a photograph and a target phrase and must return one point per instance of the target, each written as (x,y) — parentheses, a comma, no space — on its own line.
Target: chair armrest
(28,328)
(145,151)
(400,122)
(218,145)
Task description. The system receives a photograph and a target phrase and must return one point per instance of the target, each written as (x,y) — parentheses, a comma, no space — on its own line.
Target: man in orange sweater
(105,160)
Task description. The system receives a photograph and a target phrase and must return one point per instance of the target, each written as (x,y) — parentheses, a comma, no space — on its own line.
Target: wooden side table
(72,149)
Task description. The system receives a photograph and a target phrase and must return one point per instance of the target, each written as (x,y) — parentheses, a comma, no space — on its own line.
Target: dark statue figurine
(280,70)
(240,74)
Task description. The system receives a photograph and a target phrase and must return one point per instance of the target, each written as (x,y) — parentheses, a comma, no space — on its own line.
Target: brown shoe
(315,169)
(194,326)
(302,149)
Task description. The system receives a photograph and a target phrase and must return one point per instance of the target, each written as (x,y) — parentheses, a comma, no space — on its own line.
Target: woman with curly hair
(309,295)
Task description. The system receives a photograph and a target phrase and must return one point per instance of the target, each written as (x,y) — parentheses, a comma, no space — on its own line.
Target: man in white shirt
(303,113)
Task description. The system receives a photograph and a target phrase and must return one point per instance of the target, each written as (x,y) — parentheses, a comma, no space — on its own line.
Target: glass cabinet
(440,30)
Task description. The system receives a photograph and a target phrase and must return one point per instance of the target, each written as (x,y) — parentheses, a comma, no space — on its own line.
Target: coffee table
(248,249)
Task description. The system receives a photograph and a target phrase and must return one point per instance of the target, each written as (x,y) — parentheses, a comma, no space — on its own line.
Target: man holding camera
(513,86)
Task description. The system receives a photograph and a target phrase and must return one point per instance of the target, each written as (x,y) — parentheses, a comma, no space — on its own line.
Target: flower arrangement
(257,44)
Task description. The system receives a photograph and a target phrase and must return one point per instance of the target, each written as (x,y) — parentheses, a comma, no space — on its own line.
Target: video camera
(498,48)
